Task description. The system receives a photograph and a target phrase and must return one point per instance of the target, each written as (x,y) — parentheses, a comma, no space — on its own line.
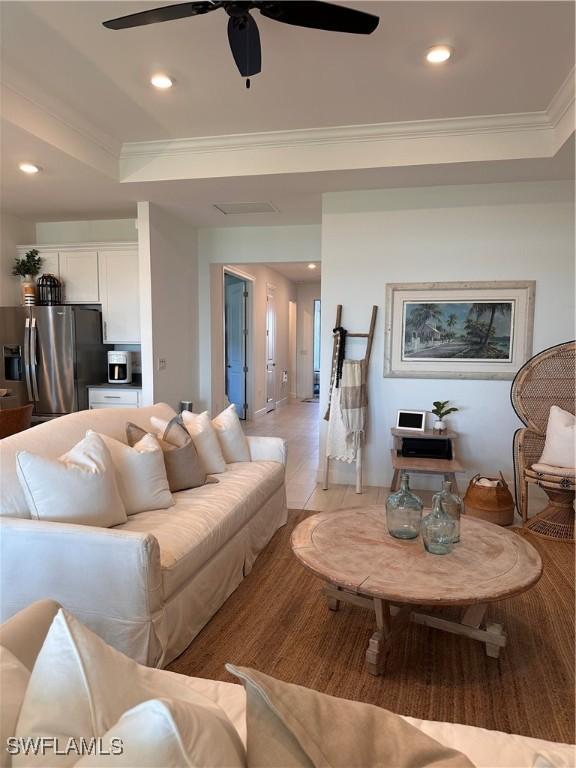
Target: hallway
(298,423)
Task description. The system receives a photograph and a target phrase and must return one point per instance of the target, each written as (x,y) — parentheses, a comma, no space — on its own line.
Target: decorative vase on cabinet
(452,504)
(404,511)
(28,291)
(438,529)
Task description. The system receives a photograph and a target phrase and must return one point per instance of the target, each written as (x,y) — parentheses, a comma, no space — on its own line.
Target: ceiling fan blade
(244,40)
(319,15)
(165,13)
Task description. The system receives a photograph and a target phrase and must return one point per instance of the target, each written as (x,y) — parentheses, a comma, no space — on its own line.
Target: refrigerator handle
(27,358)
(33,359)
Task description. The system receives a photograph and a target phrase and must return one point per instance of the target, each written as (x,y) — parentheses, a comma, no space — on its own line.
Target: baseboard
(293,396)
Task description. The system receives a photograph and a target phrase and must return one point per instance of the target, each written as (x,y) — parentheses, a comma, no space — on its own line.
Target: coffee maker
(119,367)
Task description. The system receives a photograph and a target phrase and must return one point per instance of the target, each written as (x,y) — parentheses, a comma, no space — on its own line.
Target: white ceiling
(509,57)
(297,271)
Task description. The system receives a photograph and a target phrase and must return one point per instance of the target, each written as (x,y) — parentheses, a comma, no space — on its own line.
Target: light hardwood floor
(298,423)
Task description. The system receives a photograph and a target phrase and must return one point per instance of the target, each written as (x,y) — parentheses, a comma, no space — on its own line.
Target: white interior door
(270,351)
(235,342)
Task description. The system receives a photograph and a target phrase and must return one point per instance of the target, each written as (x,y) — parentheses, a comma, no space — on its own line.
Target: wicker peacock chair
(545,380)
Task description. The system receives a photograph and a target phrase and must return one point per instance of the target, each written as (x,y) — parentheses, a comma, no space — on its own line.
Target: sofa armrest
(109,579)
(268,449)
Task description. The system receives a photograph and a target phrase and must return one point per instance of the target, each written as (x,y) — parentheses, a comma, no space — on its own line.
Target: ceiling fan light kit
(243,34)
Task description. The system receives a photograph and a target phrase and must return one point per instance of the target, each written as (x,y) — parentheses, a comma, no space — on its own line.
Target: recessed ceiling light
(161,81)
(438,54)
(311,266)
(29,168)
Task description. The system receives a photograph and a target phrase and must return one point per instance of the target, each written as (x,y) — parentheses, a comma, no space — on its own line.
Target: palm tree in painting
(424,313)
(491,309)
(451,322)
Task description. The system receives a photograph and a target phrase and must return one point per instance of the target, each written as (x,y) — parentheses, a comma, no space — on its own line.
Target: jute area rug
(277,621)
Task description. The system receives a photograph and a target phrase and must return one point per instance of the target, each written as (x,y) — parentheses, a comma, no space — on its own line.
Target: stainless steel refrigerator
(50,355)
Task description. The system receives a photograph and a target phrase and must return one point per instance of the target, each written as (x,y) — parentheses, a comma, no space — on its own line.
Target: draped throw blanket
(347,420)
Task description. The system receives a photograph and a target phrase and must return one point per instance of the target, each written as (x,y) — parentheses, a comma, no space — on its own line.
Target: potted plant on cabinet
(441,410)
(26,268)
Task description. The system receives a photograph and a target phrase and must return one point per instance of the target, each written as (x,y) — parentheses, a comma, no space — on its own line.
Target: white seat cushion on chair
(140,473)
(80,687)
(80,487)
(560,447)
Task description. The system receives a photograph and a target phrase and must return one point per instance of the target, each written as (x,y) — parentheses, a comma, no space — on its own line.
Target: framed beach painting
(477,330)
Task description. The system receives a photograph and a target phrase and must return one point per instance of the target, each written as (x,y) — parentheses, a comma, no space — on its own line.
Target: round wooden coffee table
(352,550)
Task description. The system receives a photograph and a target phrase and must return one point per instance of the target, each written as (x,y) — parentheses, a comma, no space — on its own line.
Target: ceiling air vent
(229,208)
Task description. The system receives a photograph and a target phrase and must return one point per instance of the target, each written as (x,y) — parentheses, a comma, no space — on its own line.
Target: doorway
(270,350)
(235,341)
(317,335)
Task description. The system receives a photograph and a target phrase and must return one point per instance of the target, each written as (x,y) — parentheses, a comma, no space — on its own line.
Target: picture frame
(405,417)
(458,330)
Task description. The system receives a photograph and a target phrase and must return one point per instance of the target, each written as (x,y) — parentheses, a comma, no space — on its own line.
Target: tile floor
(298,423)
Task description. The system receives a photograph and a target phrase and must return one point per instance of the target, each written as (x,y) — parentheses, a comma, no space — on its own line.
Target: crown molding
(562,101)
(347,134)
(419,142)
(53,122)
(96,245)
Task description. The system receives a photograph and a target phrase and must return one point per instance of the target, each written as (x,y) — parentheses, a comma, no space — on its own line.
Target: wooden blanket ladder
(335,351)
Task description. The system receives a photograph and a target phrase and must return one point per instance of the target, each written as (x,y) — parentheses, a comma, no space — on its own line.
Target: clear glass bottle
(438,529)
(452,504)
(404,511)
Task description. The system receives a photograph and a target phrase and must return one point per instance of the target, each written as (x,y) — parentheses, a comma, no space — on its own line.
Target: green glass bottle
(438,529)
(404,511)
(452,504)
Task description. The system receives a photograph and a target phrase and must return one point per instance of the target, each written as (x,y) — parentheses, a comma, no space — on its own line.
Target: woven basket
(494,504)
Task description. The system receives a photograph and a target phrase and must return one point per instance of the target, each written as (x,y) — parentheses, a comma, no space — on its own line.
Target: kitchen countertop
(107,385)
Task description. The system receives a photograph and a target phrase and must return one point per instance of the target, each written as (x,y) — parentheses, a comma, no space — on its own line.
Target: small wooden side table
(448,468)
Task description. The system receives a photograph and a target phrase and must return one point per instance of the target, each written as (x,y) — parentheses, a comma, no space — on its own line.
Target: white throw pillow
(14,677)
(231,436)
(79,487)
(159,732)
(560,447)
(140,473)
(81,687)
(205,439)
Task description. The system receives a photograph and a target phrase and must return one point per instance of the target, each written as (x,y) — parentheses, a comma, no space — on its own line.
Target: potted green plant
(441,410)
(26,268)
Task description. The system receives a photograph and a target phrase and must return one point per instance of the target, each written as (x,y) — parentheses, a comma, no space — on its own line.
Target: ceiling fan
(243,34)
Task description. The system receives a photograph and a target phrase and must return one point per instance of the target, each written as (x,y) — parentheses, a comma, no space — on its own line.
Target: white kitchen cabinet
(110,397)
(119,295)
(79,273)
(99,273)
(50,262)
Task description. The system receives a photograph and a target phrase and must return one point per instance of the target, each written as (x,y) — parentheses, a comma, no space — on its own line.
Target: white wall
(13,231)
(307,293)
(483,232)
(98,231)
(241,245)
(168,307)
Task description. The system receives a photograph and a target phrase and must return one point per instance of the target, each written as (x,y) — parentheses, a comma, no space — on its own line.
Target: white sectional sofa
(24,635)
(148,586)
